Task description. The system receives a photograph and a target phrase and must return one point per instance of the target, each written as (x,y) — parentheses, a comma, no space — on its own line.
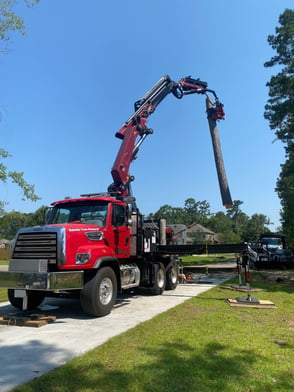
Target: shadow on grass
(269,281)
(274,287)
(169,367)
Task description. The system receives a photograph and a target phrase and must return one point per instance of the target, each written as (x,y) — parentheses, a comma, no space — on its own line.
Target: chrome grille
(36,246)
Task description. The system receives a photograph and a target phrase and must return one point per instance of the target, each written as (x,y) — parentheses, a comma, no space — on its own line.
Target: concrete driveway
(26,353)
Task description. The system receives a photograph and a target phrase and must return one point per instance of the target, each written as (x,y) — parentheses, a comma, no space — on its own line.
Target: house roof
(5,242)
(196,227)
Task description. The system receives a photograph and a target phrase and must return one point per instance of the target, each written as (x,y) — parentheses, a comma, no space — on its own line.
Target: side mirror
(47,214)
(129,219)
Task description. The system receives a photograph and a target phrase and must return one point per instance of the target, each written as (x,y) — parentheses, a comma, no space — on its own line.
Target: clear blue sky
(70,83)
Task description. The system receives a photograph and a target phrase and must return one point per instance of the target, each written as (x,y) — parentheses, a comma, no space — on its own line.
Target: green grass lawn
(3,295)
(3,292)
(202,345)
(207,259)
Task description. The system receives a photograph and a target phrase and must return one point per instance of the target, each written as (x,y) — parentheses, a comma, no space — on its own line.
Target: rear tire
(35,298)
(98,295)
(159,279)
(171,277)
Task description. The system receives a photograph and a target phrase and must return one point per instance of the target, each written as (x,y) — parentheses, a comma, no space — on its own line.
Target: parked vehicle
(272,252)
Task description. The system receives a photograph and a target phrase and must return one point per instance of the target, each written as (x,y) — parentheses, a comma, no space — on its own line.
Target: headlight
(82,258)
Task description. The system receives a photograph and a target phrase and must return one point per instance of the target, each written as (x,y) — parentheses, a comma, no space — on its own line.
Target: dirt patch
(280,342)
(278,276)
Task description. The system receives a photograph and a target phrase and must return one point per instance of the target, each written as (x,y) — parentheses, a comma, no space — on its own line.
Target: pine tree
(279,110)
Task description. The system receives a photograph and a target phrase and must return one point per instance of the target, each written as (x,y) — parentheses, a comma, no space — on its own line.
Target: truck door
(121,231)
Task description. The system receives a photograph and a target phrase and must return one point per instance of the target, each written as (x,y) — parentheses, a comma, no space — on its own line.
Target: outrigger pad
(253,303)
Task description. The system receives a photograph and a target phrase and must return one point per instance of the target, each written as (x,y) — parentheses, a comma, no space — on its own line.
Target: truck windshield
(271,241)
(79,212)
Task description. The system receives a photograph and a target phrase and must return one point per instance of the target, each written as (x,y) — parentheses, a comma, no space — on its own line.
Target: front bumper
(48,281)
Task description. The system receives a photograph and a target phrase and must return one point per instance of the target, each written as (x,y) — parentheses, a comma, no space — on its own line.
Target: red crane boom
(135,129)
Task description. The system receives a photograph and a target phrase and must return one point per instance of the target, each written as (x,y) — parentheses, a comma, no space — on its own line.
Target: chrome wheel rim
(174,276)
(161,278)
(105,291)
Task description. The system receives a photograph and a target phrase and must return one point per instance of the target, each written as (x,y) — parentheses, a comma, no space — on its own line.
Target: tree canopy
(11,222)
(279,111)
(234,226)
(9,20)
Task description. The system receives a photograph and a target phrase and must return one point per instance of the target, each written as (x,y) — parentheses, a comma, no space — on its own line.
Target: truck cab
(96,228)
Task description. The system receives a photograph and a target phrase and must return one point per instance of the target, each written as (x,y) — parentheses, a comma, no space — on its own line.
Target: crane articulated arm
(135,129)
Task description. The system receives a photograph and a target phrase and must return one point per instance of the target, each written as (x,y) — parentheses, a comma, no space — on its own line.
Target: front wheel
(159,279)
(35,298)
(98,295)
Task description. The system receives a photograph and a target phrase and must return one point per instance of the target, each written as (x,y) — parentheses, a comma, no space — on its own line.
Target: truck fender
(173,260)
(111,262)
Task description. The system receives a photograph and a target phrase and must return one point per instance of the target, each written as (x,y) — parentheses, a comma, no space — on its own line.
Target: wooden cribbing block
(33,320)
(261,304)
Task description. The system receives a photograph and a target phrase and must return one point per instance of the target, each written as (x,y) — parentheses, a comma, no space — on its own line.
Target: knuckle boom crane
(99,244)
(135,129)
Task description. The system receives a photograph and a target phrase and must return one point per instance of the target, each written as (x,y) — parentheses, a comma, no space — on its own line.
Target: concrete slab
(27,353)
(3,267)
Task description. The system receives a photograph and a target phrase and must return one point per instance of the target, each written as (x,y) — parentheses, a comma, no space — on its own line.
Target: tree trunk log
(218,157)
